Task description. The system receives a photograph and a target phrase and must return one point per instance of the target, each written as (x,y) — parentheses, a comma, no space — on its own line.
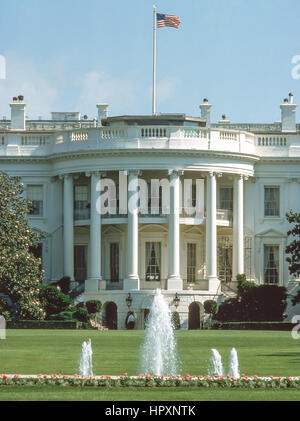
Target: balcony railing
(222,214)
(112,285)
(81,214)
(199,284)
(145,284)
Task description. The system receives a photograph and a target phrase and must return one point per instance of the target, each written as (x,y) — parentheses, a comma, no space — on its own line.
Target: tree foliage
(20,270)
(293,249)
(210,307)
(254,303)
(54,301)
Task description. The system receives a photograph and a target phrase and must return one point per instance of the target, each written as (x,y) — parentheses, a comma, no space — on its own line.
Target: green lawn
(115,352)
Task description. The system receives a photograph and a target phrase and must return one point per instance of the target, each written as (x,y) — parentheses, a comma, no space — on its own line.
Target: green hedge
(46,324)
(253,325)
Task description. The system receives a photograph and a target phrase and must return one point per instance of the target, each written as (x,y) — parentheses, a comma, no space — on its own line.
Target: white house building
(244,178)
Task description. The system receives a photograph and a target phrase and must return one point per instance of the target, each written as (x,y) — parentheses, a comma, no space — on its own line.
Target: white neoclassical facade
(242,179)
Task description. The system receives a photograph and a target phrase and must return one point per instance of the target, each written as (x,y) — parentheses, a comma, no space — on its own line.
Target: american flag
(167,20)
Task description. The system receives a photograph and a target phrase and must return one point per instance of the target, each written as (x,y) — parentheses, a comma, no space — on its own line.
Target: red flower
(4,376)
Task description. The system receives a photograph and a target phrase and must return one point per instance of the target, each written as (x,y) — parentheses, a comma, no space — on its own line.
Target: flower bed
(246,382)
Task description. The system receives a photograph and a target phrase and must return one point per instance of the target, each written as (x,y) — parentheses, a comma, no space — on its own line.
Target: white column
(68,227)
(132,280)
(211,232)
(94,282)
(174,278)
(238,227)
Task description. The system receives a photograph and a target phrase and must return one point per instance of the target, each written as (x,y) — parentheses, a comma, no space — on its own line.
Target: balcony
(196,285)
(222,214)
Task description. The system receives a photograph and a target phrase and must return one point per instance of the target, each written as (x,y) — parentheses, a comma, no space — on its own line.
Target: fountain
(215,366)
(86,362)
(158,350)
(233,364)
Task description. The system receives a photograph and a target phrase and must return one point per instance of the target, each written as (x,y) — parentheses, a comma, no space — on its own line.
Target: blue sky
(68,55)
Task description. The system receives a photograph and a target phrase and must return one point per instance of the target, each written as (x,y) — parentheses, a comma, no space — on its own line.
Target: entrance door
(111,315)
(80,266)
(194,316)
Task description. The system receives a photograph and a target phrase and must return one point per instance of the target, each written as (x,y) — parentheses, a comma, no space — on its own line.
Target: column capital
(242,177)
(214,174)
(133,172)
(65,176)
(175,172)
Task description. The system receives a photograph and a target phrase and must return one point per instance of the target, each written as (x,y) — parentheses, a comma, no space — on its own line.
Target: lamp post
(176,300)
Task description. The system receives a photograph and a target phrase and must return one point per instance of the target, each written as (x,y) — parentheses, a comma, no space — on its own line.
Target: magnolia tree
(20,270)
(293,249)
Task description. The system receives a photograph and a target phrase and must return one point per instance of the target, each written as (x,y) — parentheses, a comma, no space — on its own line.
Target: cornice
(161,152)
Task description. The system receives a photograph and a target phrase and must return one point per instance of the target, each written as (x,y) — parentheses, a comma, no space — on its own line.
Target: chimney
(224,120)
(288,114)
(102,112)
(205,108)
(18,107)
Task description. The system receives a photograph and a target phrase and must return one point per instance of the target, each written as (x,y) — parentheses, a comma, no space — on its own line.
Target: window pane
(153,258)
(271,264)
(272,201)
(81,204)
(226,198)
(114,262)
(191,262)
(35,195)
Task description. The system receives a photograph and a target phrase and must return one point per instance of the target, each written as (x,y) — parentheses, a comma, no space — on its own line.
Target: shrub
(64,315)
(93,306)
(230,310)
(254,303)
(210,307)
(64,284)
(82,315)
(175,320)
(54,301)
(80,305)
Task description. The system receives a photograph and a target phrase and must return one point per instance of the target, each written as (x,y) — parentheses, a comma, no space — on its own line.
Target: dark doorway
(111,315)
(80,266)
(194,316)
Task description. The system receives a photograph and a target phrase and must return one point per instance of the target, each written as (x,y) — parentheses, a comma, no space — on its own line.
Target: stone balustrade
(149,137)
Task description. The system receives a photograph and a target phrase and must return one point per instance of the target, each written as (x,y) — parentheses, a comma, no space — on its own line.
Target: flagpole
(154,62)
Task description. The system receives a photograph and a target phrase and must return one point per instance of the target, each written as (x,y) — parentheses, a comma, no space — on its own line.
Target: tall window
(226,198)
(81,205)
(35,195)
(224,254)
(248,257)
(153,259)
(271,264)
(80,272)
(272,201)
(114,262)
(191,262)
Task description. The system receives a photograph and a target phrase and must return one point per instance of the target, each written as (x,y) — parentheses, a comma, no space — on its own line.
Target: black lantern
(129,300)
(176,300)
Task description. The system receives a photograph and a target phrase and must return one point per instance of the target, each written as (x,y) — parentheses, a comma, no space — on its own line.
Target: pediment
(112,229)
(271,232)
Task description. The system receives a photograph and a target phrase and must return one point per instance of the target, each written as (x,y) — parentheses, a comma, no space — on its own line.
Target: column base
(175,284)
(94,285)
(131,283)
(214,284)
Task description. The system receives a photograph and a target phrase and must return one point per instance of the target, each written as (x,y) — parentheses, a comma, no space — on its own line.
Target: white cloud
(166,89)
(99,87)
(24,78)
